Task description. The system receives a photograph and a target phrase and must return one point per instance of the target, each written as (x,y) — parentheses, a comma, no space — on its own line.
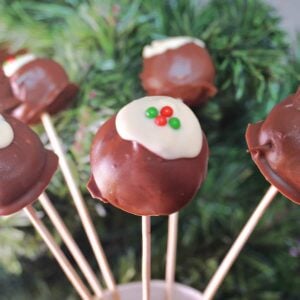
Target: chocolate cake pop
(7,99)
(25,166)
(274,145)
(150,159)
(179,67)
(41,85)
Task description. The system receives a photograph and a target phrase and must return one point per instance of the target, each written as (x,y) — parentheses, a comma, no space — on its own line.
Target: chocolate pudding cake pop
(150,159)
(26,167)
(179,67)
(42,85)
(274,145)
(7,99)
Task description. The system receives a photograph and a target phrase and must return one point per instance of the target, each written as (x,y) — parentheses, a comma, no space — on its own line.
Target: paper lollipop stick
(146,256)
(274,147)
(171,254)
(33,167)
(166,52)
(58,254)
(237,246)
(71,244)
(26,170)
(48,90)
(79,203)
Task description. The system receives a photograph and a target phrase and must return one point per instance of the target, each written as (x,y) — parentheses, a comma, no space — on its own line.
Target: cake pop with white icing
(41,85)
(150,159)
(179,67)
(26,167)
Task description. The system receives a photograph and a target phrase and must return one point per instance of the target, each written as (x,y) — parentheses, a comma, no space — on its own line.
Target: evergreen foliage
(100,45)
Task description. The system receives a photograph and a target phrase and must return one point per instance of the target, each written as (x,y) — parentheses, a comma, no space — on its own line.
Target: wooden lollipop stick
(171,254)
(80,204)
(146,256)
(71,244)
(237,246)
(58,254)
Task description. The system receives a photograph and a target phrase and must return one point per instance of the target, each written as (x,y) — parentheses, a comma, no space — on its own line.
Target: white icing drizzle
(6,133)
(164,141)
(161,46)
(11,66)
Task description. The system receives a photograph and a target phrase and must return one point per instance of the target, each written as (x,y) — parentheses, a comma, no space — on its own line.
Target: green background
(100,44)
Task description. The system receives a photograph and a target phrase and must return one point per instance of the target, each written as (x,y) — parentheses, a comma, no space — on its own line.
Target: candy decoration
(166,111)
(174,123)
(164,141)
(151,113)
(160,120)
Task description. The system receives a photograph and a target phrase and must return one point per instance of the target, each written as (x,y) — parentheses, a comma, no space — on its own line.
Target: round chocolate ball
(149,167)
(274,145)
(179,67)
(42,85)
(7,99)
(26,167)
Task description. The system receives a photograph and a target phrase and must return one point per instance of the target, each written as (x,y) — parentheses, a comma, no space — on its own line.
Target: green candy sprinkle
(151,112)
(174,123)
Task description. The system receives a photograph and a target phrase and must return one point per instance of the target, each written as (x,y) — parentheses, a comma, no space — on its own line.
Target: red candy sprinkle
(10,59)
(166,111)
(161,120)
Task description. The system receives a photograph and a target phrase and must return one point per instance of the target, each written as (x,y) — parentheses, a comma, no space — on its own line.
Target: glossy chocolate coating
(186,72)
(274,145)
(26,168)
(7,99)
(43,86)
(132,178)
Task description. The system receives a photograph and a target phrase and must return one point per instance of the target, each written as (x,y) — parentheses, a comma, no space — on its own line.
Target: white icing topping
(13,65)
(161,46)
(166,142)
(6,133)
